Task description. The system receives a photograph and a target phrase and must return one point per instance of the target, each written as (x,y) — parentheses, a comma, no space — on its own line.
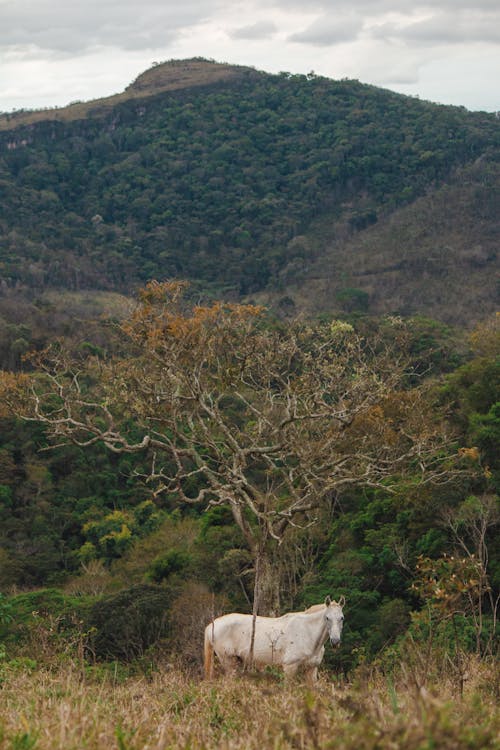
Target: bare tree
(270,421)
(470,525)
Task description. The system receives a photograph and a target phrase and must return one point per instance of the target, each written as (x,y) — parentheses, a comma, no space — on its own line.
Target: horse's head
(334,617)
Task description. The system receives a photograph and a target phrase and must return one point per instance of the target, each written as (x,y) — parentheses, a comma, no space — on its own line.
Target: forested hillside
(436,256)
(233,178)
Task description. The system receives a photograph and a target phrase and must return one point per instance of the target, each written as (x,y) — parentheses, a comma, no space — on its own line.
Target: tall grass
(70,706)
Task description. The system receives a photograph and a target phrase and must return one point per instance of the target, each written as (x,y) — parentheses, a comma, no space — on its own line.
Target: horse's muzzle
(334,641)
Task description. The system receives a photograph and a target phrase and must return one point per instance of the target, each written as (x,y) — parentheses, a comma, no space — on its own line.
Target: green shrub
(43,604)
(165,565)
(126,624)
(354,300)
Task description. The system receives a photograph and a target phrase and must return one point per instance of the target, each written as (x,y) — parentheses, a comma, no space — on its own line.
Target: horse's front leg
(290,670)
(311,675)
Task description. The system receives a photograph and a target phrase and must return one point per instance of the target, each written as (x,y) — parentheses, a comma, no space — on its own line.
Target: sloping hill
(243,182)
(437,256)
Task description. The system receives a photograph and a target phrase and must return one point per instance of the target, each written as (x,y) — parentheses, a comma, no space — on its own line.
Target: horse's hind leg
(230,664)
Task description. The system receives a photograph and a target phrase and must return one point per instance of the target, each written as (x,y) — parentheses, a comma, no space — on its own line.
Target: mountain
(310,193)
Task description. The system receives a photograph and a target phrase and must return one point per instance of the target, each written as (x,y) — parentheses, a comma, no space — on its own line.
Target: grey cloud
(376,7)
(73,26)
(64,26)
(445,28)
(259,30)
(444,22)
(328,31)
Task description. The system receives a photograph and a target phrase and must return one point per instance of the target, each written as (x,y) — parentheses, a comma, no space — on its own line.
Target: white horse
(294,641)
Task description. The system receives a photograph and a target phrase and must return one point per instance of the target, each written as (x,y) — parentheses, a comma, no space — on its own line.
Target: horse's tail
(209,653)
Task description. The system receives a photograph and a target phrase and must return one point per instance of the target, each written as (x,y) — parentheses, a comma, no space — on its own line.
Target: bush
(126,624)
(192,610)
(167,564)
(44,622)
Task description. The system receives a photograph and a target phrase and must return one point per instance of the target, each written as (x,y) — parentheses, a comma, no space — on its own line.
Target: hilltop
(170,76)
(313,194)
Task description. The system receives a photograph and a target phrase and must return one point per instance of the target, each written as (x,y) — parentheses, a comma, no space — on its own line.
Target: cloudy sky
(56,51)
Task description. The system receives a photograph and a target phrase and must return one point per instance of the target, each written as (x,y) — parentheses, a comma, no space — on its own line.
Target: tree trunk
(267,586)
(255,611)
(265,594)
(266,591)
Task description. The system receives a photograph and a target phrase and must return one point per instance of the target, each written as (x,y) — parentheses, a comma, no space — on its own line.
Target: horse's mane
(315,607)
(309,610)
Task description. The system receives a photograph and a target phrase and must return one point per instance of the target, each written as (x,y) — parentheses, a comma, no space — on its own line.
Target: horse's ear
(342,601)
(328,601)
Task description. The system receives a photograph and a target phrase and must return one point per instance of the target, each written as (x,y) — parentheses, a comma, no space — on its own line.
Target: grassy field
(67,707)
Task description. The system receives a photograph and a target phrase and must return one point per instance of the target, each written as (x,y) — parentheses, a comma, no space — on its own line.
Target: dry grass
(65,708)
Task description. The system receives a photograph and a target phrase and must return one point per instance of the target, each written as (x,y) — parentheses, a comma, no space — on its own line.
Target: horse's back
(227,632)
(232,635)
